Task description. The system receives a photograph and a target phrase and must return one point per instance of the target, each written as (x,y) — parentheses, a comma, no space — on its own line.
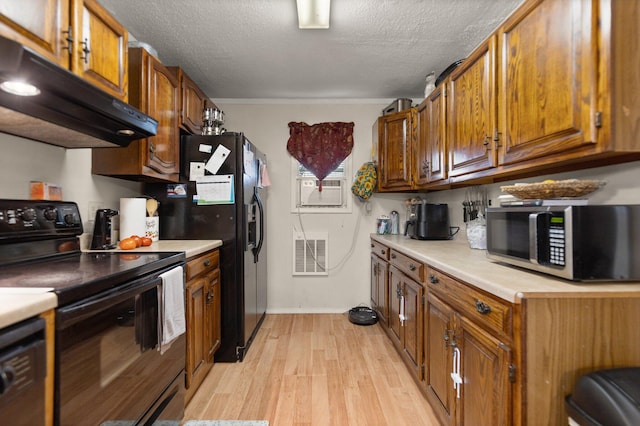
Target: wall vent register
(310,253)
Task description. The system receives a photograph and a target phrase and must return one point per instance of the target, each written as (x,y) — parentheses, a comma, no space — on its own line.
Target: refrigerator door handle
(256,250)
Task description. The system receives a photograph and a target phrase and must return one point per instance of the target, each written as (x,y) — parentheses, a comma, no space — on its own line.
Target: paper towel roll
(133,213)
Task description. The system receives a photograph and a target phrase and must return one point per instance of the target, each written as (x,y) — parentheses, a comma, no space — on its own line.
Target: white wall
(24,160)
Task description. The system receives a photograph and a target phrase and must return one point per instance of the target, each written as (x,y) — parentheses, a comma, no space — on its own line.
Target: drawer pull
(412,267)
(207,262)
(482,307)
(393,255)
(433,279)
(383,251)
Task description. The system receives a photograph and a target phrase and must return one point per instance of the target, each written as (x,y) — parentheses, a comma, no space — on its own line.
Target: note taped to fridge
(215,189)
(215,161)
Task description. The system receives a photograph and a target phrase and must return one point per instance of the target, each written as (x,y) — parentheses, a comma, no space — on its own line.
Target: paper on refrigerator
(215,189)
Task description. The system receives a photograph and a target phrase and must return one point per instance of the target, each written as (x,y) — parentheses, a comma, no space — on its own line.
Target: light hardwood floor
(315,369)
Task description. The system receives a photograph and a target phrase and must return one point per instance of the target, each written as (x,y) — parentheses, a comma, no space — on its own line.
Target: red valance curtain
(320,147)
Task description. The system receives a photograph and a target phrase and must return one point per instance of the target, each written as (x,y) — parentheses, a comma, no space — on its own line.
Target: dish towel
(171,307)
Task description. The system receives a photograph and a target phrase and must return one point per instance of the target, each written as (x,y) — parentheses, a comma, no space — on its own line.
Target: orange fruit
(128,244)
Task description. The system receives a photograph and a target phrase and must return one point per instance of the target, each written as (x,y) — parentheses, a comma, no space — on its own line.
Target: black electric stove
(39,248)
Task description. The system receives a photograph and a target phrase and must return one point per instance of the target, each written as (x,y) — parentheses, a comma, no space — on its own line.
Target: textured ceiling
(375,49)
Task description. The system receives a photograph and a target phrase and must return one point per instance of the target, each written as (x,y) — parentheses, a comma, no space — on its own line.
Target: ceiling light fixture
(313,14)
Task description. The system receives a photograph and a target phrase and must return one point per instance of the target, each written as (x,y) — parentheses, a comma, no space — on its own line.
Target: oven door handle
(72,314)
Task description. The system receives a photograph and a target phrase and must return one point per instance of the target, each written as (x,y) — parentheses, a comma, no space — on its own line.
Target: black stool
(606,398)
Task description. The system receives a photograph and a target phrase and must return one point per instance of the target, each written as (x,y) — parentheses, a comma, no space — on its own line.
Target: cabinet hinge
(598,119)
(512,373)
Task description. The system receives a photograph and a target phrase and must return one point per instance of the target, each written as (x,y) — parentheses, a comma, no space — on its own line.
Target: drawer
(203,263)
(380,250)
(409,266)
(486,310)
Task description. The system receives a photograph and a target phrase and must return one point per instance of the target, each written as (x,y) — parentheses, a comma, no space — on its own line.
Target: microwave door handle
(533,237)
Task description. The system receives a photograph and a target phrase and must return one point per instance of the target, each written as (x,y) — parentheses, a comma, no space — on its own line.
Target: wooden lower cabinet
(438,325)
(202,317)
(455,347)
(380,288)
(482,360)
(405,313)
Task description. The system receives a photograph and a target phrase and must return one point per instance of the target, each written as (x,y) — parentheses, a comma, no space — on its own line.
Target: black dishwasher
(23,368)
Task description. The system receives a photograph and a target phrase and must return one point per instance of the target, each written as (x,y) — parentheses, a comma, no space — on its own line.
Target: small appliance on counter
(101,239)
(428,221)
(576,242)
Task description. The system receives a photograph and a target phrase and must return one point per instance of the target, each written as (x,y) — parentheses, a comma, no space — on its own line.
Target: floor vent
(310,256)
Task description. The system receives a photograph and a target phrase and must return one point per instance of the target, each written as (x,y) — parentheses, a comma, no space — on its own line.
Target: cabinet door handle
(455,374)
(433,279)
(446,337)
(412,267)
(393,255)
(482,307)
(69,39)
(86,50)
(207,262)
(384,252)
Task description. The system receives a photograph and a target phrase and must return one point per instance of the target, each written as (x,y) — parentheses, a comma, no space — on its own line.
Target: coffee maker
(428,221)
(102,230)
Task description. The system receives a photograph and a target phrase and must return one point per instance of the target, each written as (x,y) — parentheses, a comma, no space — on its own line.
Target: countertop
(189,247)
(512,284)
(18,304)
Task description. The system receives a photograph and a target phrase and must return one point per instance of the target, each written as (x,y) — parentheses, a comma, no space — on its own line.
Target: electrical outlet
(93,207)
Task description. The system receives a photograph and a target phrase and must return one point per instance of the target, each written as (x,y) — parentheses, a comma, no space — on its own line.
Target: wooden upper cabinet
(161,98)
(429,163)
(421,148)
(153,89)
(192,102)
(546,76)
(78,35)
(100,55)
(471,113)
(41,25)
(396,133)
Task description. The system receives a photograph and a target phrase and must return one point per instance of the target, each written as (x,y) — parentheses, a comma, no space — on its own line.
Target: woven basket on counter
(570,188)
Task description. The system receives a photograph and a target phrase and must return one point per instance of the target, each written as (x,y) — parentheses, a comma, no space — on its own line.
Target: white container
(133,217)
(152,229)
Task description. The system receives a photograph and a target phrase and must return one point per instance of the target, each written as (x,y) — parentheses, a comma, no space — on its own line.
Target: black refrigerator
(221,196)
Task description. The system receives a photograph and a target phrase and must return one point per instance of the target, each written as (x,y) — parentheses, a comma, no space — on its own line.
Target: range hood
(68,111)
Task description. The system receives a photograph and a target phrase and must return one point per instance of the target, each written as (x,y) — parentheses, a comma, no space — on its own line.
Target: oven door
(109,368)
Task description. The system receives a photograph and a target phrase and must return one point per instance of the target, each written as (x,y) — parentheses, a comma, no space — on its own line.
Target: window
(306,195)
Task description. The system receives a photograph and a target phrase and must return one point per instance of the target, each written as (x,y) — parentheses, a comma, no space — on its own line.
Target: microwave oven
(580,243)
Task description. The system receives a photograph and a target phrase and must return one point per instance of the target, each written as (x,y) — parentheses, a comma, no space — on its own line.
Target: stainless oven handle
(533,237)
(72,314)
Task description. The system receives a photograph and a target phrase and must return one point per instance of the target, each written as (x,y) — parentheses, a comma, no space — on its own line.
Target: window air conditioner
(331,194)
